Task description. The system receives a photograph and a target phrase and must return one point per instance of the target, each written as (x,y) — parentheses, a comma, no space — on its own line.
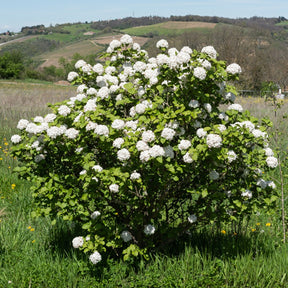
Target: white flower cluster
(95,257)
(149,229)
(78,242)
(126,236)
(214,141)
(234,69)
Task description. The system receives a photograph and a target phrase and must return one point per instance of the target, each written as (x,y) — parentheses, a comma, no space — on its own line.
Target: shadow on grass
(214,246)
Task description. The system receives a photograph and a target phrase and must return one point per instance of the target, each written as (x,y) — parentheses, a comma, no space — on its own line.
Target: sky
(19,13)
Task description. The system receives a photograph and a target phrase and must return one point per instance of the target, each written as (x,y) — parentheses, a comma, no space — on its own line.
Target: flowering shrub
(146,150)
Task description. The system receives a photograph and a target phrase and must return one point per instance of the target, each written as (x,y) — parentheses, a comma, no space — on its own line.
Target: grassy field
(169,28)
(33,253)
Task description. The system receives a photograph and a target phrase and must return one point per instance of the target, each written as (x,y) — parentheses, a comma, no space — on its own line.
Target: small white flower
(118,142)
(210,51)
(192,218)
(200,73)
(208,107)
(123,154)
(168,133)
(230,96)
(268,151)
(162,44)
(142,146)
(271,184)
(258,133)
(80,63)
(187,158)
(272,162)
(236,107)
(16,139)
(148,136)
(247,193)
(201,133)
(184,144)
(64,110)
(114,188)
(118,124)
(135,175)
(156,151)
(233,69)
(95,214)
(97,168)
(149,229)
(126,236)
(22,124)
(214,141)
(144,156)
(95,257)
(126,39)
(78,242)
(50,117)
(72,75)
(71,133)
(83,172)
(140,108)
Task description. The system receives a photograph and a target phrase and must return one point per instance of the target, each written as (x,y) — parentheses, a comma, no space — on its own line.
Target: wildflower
(95,257)
(223,231)
(268,224)
(253,229)
(13,186)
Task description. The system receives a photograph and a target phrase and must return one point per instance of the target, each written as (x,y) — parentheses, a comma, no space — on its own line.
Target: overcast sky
(18,13)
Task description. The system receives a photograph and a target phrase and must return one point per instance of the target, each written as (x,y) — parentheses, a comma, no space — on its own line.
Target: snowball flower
(247,193)
(118,124)
(231,156)
(126,236)
(64,110)
(258,133)
(214,141)
(71,133)
(149,229)
(162,44)
(192,218)
(72,75)
(54,132)
(140,108)
(80,63)
(200,73)
(169,152)
(102,130)
(22,124)
(184,144)
(135,175)
(16,139)
(268,151)
(95,257)
(148,136)
(114,44)
(78,242)
(262,183)
(201,133)
(90,105)
(156,151)
(103,92)
(123,154)
(236,107)
(144,156)
(50,117)
(97,168)
(187,158)
(210,51)
(114,188)
(142,146)
(118,142)
(39,158)
(230,96)
(272,162)
(168,133)
(271,184)
(126,39)
(208,107)
(233,69)
(98,68)
(213,175)
(95,214)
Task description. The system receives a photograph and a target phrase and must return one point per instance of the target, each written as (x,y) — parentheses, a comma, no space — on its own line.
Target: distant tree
(11,65)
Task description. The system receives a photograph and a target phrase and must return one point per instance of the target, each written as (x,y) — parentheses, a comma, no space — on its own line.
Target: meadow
(33,253)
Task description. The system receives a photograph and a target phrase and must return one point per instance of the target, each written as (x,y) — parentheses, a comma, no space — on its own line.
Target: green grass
(33,253)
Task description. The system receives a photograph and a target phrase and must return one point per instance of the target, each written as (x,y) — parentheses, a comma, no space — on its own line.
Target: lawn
(33,253)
